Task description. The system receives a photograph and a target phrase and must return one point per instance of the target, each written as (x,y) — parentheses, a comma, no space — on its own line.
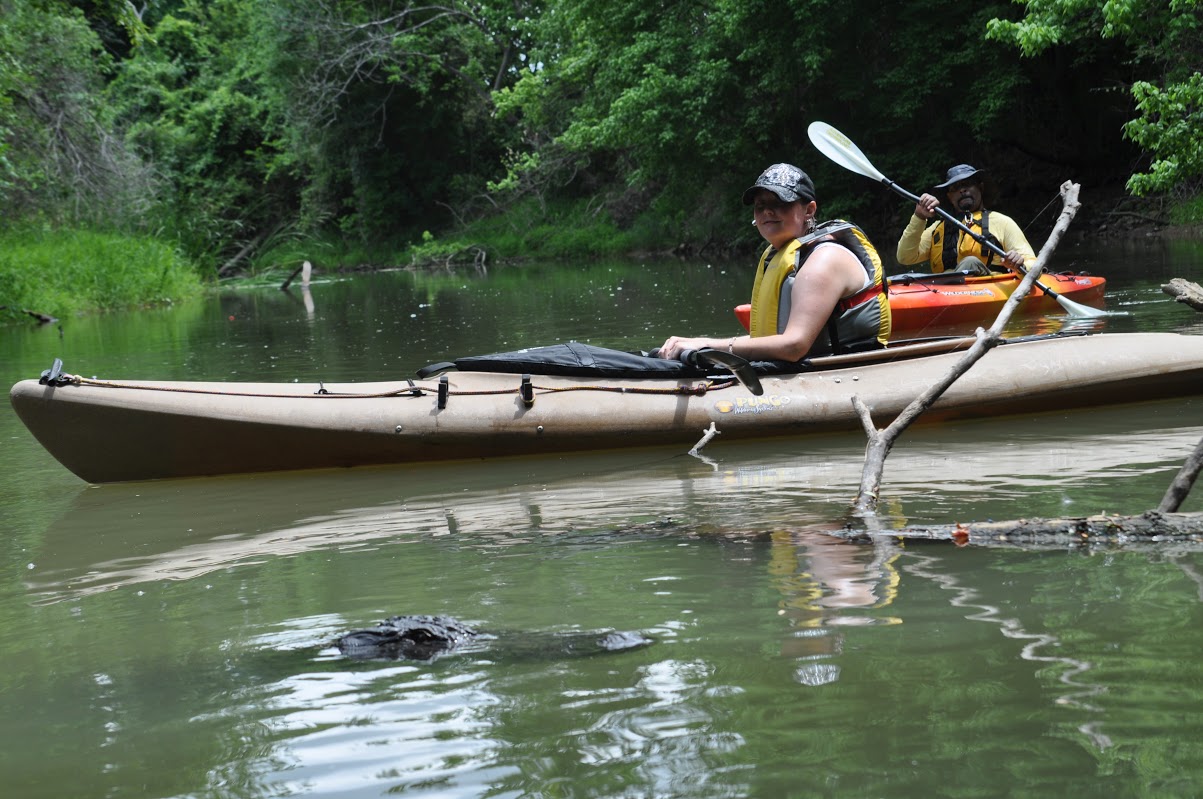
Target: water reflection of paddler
(821,578)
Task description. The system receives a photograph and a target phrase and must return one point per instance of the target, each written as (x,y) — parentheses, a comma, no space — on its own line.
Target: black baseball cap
(786,181)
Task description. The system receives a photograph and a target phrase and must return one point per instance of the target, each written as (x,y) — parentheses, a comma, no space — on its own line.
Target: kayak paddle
(742,370)
(839,148)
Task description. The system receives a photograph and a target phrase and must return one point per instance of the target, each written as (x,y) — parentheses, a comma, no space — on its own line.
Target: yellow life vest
(859,322)
(949,250)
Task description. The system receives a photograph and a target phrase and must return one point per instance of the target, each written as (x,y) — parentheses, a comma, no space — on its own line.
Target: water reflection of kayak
(108,431)
(130,534)
(922,301)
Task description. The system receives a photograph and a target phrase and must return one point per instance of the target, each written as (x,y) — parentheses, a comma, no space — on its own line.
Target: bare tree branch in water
(1190,294)
(1183,481)
(881,441)
(1160,525)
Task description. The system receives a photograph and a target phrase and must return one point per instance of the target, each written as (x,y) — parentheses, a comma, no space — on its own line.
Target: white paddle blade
(839,148)
(1079,310)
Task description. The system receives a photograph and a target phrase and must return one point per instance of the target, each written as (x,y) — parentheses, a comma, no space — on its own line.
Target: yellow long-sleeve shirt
(915,245)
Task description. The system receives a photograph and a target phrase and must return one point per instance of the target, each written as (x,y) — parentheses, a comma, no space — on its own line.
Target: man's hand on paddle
(926,207)
(1013,260)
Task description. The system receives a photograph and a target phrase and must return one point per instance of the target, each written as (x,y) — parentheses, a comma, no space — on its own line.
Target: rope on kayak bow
(526,390)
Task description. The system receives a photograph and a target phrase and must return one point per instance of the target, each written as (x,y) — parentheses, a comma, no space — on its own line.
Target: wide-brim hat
(786,181)
(958,173)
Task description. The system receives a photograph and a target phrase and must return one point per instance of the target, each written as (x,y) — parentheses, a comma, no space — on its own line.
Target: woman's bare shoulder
(832,254)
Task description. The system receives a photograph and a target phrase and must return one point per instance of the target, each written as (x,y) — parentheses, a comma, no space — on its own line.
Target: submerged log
(1078,531)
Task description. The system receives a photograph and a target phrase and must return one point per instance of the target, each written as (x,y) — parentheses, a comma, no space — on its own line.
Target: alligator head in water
(407,638)
(427,637)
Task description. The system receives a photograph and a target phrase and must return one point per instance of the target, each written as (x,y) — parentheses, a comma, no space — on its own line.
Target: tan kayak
(118,430)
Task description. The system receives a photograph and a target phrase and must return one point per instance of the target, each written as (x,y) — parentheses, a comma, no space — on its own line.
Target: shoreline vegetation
(55,274)
(52,275)
(172,146)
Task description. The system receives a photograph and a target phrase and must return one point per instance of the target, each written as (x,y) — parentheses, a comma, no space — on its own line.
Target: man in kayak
(947,249)
(818,288)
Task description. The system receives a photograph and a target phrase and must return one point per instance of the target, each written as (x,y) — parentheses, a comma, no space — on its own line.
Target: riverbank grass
(1187,212)
(62,273)
(525,231)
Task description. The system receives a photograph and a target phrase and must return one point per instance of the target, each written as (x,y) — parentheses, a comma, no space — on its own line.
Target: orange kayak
(923,303)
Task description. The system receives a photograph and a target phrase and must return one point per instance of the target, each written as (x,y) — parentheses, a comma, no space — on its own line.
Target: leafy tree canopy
(688,101)
(1163,46)
(225,123)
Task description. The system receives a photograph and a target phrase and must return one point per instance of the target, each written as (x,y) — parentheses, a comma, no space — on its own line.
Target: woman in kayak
(819,289)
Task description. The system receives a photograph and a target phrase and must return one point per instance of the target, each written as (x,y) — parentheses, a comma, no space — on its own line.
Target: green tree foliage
(377,120)
(1162,44)
(1169,126)
(59,159)
(384,107)
(286,116)
(685,100)
(189,98)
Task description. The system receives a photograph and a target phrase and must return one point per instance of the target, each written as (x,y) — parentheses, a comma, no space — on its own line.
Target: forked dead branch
(881,441)
(1163,526)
